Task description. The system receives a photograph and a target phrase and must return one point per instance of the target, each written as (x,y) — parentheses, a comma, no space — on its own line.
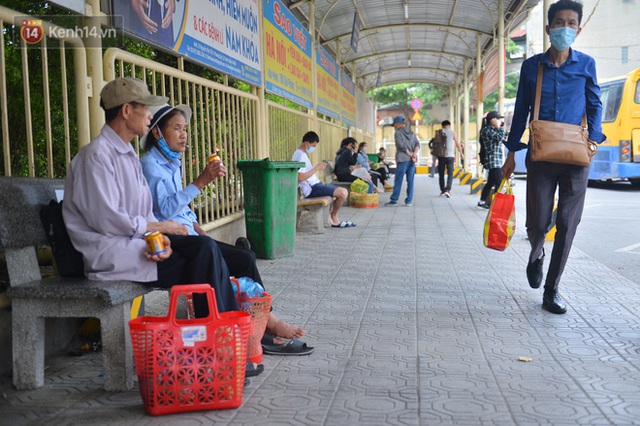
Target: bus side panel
(520,157)
(635,141)
(604,164)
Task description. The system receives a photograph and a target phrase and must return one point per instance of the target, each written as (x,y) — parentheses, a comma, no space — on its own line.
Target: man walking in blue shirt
(569,88)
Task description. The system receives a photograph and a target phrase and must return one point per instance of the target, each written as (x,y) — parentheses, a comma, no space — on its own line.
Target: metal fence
(40,136)
(224,120)
(46,116)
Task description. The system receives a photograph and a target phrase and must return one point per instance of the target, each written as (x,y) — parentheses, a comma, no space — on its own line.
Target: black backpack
(68,260)
(438,144)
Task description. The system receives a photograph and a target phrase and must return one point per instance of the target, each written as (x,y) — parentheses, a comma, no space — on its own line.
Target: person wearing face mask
(311,186)
(569,90)
(492,136)
(165,144)
(347,162)
(380,174)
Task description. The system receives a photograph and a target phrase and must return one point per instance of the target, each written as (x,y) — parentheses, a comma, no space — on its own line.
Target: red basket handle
(186,289)
(238,286)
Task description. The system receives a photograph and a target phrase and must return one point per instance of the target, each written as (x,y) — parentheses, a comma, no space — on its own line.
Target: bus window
(611,96)
(636,98)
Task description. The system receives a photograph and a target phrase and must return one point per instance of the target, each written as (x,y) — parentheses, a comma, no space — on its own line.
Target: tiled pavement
(414,323)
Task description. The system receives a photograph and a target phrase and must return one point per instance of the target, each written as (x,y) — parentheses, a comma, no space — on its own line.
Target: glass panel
(611,96)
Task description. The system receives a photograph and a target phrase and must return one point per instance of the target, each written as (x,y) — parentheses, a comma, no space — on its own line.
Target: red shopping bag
(501,219)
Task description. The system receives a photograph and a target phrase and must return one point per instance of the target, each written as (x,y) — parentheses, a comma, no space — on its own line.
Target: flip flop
(344,224)
(252,370)
(292,347)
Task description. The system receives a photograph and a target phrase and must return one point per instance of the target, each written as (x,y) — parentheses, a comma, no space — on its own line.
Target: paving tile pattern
(414,323)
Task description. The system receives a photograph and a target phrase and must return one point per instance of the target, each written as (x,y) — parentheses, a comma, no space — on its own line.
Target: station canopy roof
(410,40)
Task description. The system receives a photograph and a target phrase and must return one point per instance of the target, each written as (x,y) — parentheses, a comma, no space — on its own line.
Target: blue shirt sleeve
(594,105)
(521,108)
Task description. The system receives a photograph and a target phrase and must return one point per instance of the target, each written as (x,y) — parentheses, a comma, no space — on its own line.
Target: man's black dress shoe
(534,272)
(552,302)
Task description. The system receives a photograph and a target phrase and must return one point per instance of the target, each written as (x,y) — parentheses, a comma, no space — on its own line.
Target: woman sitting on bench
(363,161)
(346,159)
(165,143)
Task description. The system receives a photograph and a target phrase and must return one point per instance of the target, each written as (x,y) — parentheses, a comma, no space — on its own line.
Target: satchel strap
(536,104)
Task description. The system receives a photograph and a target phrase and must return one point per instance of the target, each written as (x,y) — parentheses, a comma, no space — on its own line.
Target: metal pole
(545,38)
(501,57)
(479,99)
(95,70)
(465,124)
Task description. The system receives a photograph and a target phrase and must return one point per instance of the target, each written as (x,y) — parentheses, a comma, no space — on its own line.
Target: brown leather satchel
(559,142)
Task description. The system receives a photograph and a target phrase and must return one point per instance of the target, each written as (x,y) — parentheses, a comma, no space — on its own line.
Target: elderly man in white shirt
(108,208)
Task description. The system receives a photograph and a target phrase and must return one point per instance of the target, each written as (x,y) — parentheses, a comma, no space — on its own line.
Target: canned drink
(155,242)
(212,158)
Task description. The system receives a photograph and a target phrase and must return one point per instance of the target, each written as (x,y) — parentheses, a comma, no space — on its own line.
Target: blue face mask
(561,38)
(164,148)
(311,149)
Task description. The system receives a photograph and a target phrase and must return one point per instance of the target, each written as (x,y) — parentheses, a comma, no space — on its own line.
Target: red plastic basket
(190,364)
(258,308)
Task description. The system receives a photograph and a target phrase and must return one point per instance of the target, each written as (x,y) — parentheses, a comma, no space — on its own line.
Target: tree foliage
(510,91)
(403,93)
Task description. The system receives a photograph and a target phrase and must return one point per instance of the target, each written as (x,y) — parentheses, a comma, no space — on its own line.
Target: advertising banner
(73,5)
(348,100)
(221,34)
(328,84)
(287,55)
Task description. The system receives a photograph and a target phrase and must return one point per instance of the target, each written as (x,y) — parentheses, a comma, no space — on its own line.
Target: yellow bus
(618,158)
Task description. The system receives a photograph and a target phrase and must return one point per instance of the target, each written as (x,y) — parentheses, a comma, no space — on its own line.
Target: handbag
(559,142)
(501,219)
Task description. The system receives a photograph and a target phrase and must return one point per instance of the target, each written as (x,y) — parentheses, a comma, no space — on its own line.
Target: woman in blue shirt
(363,160)
(165,144)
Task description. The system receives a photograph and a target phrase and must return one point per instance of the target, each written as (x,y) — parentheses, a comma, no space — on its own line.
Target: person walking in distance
(569,90)
(407,148)
(446,161)
(492,136)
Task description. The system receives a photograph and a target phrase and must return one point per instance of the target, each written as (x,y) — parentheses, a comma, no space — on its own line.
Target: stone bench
(34,298)
(318,209)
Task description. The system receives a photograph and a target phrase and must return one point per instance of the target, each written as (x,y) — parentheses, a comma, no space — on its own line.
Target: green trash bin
(373,157)
(270,205)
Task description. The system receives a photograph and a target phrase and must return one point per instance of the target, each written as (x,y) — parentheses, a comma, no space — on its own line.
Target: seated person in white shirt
(311,186)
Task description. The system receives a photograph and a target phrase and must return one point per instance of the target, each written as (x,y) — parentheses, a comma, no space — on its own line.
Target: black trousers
(542,180)
(493,181)
(197,260)
(442,163)
(346,177)
(240,262)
